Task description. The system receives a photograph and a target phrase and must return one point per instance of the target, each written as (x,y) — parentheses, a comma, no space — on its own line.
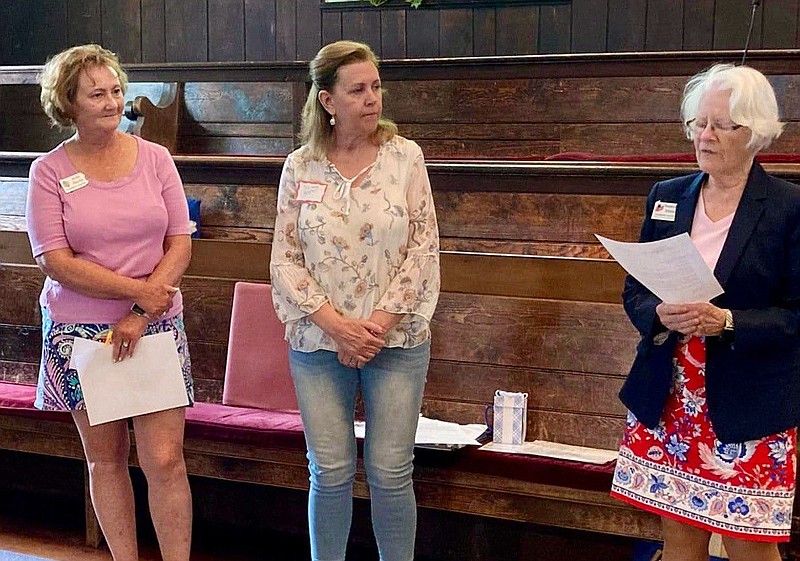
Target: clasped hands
(155,298)
(696,318)
(358,341)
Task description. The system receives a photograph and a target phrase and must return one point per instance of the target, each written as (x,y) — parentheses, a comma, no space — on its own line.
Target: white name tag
(73,182)
(310,191)
(664,211)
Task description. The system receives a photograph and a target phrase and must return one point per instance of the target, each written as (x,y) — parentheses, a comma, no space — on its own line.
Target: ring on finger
(125,344)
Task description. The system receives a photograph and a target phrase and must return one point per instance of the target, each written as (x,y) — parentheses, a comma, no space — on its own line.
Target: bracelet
(136,309)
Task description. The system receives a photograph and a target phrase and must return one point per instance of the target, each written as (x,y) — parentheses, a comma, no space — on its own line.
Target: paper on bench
(556,450)
(432,431)
(151,380)
(672,268)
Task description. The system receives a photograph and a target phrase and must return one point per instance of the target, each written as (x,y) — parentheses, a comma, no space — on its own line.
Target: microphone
(756,4)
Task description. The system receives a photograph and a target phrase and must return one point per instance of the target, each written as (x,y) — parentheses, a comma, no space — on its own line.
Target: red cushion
(665,158)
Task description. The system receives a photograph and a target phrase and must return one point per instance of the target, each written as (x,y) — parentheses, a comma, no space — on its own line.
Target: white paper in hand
(672,269)
(151,380)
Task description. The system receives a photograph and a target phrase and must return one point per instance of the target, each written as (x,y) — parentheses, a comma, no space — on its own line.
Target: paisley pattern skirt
(58,387)
(681,471)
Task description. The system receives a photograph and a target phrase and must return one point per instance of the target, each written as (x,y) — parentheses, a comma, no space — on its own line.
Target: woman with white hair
(714,390)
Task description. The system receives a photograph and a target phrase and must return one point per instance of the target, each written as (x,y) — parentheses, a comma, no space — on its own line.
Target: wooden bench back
(526,107)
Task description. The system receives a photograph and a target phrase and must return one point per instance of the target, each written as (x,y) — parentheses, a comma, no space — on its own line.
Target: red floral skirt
(680,470)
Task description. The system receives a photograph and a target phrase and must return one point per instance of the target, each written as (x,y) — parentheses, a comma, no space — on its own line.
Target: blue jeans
(391,385)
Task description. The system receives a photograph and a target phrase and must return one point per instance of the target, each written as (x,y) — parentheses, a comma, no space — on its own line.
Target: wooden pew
(527,107)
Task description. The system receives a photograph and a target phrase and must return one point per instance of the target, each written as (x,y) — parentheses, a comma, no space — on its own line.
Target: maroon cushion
(256,427)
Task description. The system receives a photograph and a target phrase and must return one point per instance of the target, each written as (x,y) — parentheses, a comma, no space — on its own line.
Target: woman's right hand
(155,298)
(683,318)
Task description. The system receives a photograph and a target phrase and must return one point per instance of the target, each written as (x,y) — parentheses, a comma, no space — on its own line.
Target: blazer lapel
(684,213)
(748,213)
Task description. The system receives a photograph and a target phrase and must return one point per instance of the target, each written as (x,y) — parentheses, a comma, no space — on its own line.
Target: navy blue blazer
(753,374)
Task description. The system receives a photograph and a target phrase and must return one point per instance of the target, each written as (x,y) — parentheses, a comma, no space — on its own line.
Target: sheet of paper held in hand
(556,450)
(672,269)
(151,380)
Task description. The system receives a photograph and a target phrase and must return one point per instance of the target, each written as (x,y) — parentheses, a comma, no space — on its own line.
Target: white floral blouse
(375,246)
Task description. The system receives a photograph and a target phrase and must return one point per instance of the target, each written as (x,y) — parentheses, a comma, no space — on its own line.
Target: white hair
(752,101)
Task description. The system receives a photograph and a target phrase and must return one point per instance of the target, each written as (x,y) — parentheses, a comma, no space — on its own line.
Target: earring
(332,121)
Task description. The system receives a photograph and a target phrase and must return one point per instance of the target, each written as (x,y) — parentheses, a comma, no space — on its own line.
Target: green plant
(414,3)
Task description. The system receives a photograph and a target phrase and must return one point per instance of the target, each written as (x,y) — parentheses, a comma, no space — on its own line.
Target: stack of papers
(556,450)
(439,434)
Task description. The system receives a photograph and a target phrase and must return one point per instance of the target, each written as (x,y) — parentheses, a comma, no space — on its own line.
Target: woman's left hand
(126,333)
(351,361)
(711,319)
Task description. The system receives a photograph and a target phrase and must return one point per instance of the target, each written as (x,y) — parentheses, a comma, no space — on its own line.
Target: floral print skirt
(681,471)
(58,388)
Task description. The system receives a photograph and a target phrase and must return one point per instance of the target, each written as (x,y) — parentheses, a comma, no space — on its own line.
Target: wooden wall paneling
(731,20)
(259,31)
(587,394)
(285,30)
(363,26)
(154,47)
(238,102)
(186,29)
(19,372)
(528,216)
(629,138)
(232,206)
(517,30)
(589,26)
(521,332)
(20,286)
(484,31)
(84,22)
(6,37)
(455,33)
(555,31)
(779,24)
(39,33)
(23,125)
(698,24)
(122,29)
(226,31)
(567,100)
(309,29)
(626,25)
(393,34)
(331,27)
(664,26)
(422,33)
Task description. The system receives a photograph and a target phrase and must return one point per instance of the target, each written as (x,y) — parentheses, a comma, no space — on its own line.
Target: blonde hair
(324,72)
(752,101)
(61,74)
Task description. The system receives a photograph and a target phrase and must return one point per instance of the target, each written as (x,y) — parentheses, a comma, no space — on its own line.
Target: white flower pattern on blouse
(375,246)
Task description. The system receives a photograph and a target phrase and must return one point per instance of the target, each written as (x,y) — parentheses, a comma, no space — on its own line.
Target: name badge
(310,191)
(664,211)
(73,182)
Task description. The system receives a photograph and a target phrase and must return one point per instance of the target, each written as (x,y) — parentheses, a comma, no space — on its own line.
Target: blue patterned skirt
(58,388)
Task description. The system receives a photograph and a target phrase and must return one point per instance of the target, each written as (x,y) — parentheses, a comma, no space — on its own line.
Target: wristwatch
(139,311)
(728,320)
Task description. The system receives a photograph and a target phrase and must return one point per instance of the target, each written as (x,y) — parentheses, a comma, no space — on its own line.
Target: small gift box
(510,417)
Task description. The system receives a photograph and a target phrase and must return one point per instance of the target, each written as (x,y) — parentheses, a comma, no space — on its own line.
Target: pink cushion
(257,372)
(17,400)
(284,430)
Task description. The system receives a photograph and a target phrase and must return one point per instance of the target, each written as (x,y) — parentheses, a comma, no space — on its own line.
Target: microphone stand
(756,4)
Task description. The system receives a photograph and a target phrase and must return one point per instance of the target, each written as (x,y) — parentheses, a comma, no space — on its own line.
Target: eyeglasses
(699,126)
